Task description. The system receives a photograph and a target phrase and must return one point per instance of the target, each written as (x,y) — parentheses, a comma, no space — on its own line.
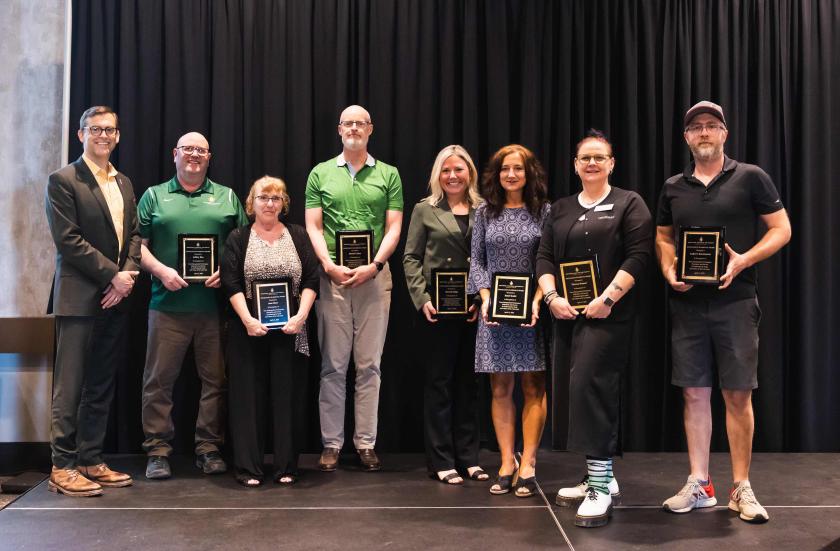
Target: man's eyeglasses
(194,150)
(361,125)
(269,198)
(586,159)
(698,128)
(109,131)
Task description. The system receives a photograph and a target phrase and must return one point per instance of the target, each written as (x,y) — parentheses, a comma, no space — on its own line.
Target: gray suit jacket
(434,240)
(87,249)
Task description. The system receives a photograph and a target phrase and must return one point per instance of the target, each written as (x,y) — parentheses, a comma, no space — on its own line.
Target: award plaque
(272,301)
(578,278)
(511,295)
(197,256)
(353,248)
(700,256)
(449,292)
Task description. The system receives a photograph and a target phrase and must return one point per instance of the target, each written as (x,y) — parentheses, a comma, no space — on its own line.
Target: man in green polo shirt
(353,191)
(182,313)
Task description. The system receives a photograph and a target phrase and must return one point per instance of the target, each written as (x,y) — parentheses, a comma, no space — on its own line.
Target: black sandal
(279,479)
(479,474)
(249,481)
(526,487)
(447,479)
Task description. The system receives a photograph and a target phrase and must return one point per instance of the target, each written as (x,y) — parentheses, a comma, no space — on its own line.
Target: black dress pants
(88,351)
(267,387)
(450,394)
(598,351)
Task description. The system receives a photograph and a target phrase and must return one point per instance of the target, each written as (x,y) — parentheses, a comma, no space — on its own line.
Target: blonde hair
(436,193)
(269,183)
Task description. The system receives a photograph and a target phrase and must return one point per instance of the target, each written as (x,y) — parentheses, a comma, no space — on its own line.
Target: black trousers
(450,394)
(267,383)
(597,352)
(88,351)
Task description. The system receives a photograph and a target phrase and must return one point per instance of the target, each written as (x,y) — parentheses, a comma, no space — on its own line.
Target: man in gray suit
(93,221)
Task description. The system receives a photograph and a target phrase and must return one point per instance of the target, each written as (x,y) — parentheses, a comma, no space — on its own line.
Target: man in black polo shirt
(718,325)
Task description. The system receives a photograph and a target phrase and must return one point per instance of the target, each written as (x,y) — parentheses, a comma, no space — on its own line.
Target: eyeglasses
(361,125)
(268,198)
(193,149)
(586,159)
(710,127)
(109,131)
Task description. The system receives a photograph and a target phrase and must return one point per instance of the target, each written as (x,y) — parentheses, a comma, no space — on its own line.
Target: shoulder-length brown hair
(535,194)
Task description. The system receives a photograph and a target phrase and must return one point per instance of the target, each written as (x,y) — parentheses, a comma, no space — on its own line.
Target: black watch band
(379,265)
(609,302)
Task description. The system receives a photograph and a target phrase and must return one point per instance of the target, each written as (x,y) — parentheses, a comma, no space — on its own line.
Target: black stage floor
(400,508)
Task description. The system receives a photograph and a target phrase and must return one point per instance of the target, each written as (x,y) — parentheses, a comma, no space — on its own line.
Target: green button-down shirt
(353,202)
(166,210)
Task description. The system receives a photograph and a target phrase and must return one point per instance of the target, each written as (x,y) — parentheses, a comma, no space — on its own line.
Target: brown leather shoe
(70,482)
(369,460)
(105,476)
(329,459)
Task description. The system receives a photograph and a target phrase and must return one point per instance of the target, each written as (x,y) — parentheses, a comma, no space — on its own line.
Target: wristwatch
(379,265)
(609,302)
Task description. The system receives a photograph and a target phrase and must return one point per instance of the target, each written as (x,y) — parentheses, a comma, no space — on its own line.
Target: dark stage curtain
(265,82)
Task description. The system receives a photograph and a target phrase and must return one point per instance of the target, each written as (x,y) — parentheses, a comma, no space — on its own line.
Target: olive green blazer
(434,240)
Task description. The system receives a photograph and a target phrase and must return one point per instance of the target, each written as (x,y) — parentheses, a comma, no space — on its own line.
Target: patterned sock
(600,474)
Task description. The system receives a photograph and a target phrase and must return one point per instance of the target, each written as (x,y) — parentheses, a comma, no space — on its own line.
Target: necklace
(590,204)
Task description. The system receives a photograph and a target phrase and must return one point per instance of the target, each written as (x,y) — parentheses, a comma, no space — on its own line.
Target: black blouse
(619,231)
(232,265)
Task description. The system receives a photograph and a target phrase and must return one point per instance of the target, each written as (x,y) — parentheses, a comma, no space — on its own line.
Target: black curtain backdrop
(265,81)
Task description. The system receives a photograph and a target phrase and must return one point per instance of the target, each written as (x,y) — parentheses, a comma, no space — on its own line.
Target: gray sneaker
(742,500)
(157,467)
(691,496)
(568,497)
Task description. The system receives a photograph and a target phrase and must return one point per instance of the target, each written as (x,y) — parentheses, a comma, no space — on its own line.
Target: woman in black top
(267,367)
(614,226)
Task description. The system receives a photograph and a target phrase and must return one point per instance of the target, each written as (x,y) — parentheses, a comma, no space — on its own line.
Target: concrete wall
(32,52)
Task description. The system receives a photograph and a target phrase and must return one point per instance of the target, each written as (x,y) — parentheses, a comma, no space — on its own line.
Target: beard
(706,153)
(354,143)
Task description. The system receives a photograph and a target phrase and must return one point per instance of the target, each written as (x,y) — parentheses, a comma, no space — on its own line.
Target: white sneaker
(568,497)
(594,510)
(691,496)
(742,500)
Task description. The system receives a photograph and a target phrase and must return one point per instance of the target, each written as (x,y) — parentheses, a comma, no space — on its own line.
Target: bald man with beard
(352,192)
(182,313)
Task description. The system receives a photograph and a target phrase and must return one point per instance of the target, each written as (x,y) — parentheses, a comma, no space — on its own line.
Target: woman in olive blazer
(439,238)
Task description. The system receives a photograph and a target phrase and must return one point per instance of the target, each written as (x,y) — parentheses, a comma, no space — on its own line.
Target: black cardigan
(628,245)
(232,268)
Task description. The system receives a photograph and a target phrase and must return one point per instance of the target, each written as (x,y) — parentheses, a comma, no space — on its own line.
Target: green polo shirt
(354,202)
(166,210)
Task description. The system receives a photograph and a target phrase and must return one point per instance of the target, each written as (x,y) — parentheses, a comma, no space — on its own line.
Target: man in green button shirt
(353,191)
(181,314)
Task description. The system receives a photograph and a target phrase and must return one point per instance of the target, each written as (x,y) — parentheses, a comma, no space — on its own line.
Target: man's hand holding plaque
(353,248)
(198,257)
(700,255)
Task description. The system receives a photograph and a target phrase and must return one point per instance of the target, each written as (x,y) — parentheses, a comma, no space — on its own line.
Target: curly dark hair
(535,193)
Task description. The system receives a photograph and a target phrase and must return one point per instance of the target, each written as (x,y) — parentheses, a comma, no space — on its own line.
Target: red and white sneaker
(692,496)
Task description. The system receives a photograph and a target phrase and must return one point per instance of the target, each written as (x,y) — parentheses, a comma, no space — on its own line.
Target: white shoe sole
(564,501)
(702,504)
(757,519)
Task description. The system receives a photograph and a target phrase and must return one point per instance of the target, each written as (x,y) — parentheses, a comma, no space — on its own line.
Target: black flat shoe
(479,474)
(448,478)
(526,487)
(249,481)
(285,479)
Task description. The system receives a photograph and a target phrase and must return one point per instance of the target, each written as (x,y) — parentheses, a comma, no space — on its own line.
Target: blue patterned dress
(505,244)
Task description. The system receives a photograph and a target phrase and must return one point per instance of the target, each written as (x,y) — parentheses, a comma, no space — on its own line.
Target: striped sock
(600,474)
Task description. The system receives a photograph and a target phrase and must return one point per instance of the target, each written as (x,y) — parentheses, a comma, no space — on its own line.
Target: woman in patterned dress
(505,237)
(267,369)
